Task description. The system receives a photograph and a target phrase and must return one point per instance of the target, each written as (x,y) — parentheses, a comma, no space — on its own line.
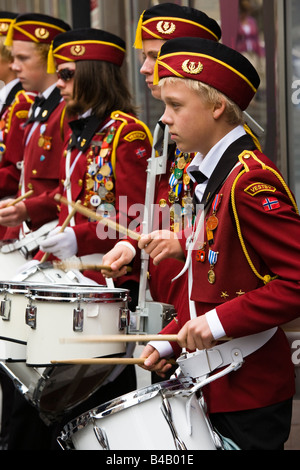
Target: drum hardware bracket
(101,436)
(235,365)
(200,363)
(124,320)
(78,318)
(5,308)
(30,314)
(151,318)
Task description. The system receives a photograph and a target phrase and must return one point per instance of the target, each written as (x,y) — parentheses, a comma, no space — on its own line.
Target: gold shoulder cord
(62,118)
(266,279)
(121,116)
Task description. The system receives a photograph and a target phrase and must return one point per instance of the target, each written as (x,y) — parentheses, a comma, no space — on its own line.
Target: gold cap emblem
(165,27)
(41,33)
(77,50)
(191,67)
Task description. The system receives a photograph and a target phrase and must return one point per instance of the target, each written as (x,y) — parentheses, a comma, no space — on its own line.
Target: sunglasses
(65,74)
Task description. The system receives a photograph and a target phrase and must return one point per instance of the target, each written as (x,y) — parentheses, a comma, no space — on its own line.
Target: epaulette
(249,160)
(135,135)
(20,97)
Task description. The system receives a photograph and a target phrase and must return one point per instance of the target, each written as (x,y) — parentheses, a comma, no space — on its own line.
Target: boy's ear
(219,108)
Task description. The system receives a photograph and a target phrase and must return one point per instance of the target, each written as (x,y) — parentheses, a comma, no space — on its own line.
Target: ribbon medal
(212,221)
(212,258)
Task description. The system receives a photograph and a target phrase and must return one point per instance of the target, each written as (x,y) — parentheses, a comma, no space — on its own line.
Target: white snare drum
(13,303)
(9,264)
(163,416)
(58,312)
(54,391)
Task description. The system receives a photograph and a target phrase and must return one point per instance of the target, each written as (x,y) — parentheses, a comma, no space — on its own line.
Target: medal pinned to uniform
(44,141)
(93,168)
(106,169)
(111,135)
(212,221)
(2,150)
(212,258)
(201,254)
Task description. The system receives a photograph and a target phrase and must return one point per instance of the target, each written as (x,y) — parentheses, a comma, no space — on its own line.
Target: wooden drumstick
(107,360)
(120,338)
(20,198)
(66,265)
(64,225)
(94,216)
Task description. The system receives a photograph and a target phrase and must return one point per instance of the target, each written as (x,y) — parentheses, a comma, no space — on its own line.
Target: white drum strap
(232,353)
(67,184)
(31,240)
(190,243)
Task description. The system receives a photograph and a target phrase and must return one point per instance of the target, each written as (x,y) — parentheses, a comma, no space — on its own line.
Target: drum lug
(5,308)
(124,319)
(78,315)
(101,436)
(30,316)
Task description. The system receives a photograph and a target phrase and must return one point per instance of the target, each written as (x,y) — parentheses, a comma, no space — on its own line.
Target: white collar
(48,91)
(4,92)
(208,163)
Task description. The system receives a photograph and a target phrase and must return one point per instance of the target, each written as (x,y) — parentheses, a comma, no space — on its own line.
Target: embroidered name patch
(257,188)
(135,135)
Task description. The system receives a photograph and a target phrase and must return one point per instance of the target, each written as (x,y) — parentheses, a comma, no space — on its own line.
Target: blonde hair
(5,52)
(43,50)
(211,96)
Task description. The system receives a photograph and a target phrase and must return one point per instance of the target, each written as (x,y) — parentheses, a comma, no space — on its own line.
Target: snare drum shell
(12,298)
(10,263)
(55,318)
(149,430)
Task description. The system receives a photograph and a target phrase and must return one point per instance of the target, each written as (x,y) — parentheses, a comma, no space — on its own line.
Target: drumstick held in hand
(94,216)
(66,265)
(120,338)
(20,198)
(107,360)
(64,225)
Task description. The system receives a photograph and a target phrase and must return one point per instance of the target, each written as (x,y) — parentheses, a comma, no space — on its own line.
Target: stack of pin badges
(100,180)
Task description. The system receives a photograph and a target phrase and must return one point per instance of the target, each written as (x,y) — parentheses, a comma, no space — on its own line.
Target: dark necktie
(200,178)
(38,103)
(78,127)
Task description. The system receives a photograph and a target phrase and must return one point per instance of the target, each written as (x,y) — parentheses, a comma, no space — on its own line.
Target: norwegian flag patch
(270,204)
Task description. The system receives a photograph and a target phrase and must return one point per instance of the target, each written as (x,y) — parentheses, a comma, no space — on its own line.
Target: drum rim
(46,292)
(12,287)
(70,293)
(124,402)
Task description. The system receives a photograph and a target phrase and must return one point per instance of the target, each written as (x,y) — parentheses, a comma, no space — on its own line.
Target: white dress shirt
(5,90)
